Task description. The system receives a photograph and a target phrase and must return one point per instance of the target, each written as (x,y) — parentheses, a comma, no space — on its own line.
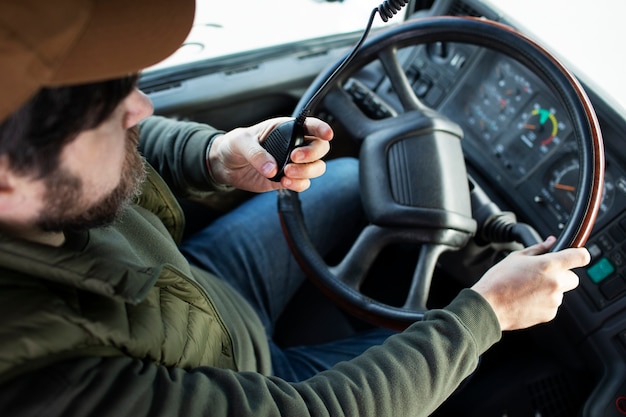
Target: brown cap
(47,43)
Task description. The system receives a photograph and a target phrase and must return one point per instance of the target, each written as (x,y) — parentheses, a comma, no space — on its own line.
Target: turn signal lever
(285,137)
(496,226)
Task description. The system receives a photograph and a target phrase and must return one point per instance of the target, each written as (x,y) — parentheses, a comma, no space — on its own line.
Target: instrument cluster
(521,136)
(512,118)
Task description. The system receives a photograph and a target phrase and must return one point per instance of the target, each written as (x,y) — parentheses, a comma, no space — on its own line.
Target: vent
(460,8)
(161,87)
(319,54)
(553,396)
(242,70)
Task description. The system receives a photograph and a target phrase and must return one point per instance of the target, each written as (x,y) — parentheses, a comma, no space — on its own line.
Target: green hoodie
(116,322)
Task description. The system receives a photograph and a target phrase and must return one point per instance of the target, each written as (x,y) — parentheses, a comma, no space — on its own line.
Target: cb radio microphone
(287,136)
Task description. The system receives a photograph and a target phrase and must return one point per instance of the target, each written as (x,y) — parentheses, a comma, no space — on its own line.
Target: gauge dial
(540,127)
(513,86)
(537,131)
(498,100)
(562,185)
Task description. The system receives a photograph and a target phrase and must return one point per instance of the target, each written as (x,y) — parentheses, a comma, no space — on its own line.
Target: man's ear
(10,195)
(6,175)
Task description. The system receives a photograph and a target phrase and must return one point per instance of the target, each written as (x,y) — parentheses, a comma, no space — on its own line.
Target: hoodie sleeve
(177,150)
(411,374)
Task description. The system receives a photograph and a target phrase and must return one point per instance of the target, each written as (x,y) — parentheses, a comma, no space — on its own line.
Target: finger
(318,128)
(540,248)
(570,258)
(568,280)
(297,185)
(313,151)
(305,171)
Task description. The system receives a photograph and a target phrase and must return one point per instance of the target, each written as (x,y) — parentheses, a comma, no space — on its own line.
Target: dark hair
(32,138)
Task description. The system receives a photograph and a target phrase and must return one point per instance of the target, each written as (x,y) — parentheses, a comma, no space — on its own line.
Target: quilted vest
(122,290)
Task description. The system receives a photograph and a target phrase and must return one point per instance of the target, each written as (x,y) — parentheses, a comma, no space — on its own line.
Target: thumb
(539,248)
(265,164)
(256,156)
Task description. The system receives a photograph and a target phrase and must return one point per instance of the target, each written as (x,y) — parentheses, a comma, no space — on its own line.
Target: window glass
(584,34)
(223,28)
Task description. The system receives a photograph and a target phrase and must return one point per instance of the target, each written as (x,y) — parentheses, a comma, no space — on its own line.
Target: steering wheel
(413,179)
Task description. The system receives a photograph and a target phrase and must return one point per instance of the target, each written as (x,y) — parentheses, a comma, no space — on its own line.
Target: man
(101,312)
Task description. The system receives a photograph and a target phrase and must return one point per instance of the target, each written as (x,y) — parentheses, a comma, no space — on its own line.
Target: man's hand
(527,287)
(237,158)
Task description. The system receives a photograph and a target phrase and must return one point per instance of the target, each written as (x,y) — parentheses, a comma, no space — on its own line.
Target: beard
(65,210)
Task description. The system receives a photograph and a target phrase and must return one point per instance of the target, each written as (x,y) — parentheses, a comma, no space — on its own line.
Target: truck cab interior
(475,137)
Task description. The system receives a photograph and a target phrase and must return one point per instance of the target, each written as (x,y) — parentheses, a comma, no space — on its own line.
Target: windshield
(222,28)
(583,34)
(587,35)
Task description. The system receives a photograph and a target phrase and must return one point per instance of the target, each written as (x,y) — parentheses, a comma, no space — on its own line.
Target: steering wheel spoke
(400,83)
(422,277)
(357,124)
(348,113)
(353,269)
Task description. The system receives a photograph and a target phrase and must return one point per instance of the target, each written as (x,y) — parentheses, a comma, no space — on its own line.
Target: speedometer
(562,184)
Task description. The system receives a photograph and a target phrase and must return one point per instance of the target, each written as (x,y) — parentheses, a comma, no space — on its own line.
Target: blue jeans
(246,249)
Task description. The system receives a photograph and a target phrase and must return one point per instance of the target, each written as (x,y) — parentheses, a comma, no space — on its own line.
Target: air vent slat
(459,8)
(161,87)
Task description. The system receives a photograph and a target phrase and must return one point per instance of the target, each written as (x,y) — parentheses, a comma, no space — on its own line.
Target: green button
(600,270)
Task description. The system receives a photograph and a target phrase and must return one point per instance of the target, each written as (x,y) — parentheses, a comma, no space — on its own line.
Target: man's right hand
(237,158)
(527,287)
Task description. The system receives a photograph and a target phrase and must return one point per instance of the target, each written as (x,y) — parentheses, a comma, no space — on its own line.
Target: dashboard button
(617,258)
(617,233)
(605,242)
(599,271)
(433,96)
(422,86)
(613,287)
(594,251)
